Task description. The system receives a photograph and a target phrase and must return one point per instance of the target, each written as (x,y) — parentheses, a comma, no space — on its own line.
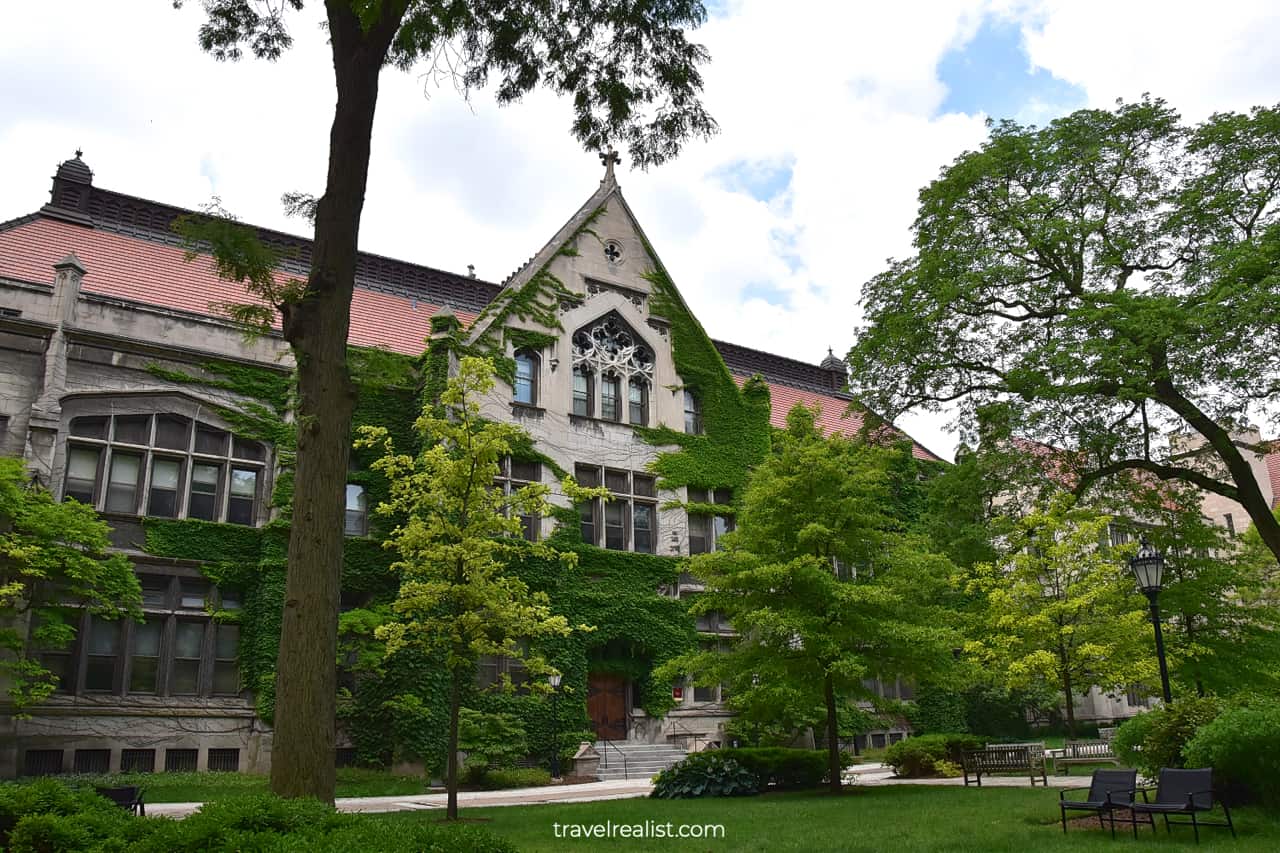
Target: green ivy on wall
(736,430)
(395,707)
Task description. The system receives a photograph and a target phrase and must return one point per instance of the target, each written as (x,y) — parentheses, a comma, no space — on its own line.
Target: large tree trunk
(1067,692)
(1247,491)
(316,327)
(833,735)
(451,763)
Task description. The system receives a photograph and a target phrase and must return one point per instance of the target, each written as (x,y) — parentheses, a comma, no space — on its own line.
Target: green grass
(882,818)
(203,787)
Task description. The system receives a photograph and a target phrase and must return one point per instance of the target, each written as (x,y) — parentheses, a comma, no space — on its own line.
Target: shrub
(1156,739)
(922,755)
(244,823)
(399,837)
(472,773)
(516,777)
(497,740)
(783,768)
(1243,747)
(48,797)
(705,774)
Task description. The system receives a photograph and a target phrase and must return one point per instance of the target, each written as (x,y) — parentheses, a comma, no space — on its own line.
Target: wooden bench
(1084,752)
(1006,758)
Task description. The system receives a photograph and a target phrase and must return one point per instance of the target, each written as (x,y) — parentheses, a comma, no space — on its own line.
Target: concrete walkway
(585,793)
(618,789)
(879,774)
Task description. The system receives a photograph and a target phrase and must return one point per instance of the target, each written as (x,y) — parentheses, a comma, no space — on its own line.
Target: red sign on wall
(677,693)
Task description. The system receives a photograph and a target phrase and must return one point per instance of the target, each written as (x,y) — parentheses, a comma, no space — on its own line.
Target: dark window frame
(168,612)
(534,362)
(101,434)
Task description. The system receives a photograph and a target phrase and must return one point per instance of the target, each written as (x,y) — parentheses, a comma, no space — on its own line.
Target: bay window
(163,465)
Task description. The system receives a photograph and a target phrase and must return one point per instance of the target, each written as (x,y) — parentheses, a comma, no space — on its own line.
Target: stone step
(643,760)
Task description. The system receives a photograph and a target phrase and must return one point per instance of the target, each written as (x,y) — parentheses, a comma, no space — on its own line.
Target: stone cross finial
(609,158)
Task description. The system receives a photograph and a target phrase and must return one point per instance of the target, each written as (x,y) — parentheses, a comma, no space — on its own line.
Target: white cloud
(845,93)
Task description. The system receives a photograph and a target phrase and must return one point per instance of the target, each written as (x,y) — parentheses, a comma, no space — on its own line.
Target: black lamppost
(1148,569)
(554,680)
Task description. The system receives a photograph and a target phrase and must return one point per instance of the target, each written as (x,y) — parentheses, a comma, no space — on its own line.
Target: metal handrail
(687,732)
(611,745)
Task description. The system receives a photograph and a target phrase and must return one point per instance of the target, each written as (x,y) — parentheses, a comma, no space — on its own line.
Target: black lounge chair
(1182,792)
(128,798)
(1108,790)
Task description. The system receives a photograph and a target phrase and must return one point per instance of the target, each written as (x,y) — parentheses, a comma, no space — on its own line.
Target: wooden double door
(607,705)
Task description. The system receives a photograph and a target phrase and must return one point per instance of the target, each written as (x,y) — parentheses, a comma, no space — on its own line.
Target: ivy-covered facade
(123,388)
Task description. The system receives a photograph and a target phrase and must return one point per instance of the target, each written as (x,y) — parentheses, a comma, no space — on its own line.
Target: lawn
(882,818)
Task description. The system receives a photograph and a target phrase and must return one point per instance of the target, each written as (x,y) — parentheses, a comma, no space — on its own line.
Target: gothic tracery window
(610,350)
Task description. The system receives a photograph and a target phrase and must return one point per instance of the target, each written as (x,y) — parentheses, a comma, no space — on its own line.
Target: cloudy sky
(832,116)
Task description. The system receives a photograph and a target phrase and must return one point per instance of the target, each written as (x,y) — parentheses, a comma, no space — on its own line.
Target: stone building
(121,385)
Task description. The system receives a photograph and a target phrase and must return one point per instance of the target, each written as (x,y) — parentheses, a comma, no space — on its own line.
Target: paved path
(618,789)
(584,793)
(879,774)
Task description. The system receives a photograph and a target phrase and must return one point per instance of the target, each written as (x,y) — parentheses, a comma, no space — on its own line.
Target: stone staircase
(643,760)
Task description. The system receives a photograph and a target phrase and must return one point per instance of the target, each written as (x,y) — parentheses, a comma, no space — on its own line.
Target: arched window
(526,385)
(164,465)
(692,413)
(610,350)
(583,392)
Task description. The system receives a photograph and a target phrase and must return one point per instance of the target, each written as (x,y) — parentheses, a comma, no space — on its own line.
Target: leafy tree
(1059,609)
(51,553)
(957,510)
(1111,278)
(632,77)
(1221,627)
(822,586)
(457,600)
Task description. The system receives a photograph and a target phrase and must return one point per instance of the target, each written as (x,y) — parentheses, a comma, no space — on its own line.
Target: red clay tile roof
(835,415)
(156,274)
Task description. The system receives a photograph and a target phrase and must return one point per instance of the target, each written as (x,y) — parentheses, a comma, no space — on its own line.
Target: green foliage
(1057,610)
(1242,745)
(51,552)
(735,420)
(998,711)
(400,837)
(47,798)
(1022,291)
(455,540)
(705,774)
(784,769)
(248,822)
(501,779)
(1157,738)
(536,301)
(493,740)
(929,755)
(937,709)
(823,589)
(50,816)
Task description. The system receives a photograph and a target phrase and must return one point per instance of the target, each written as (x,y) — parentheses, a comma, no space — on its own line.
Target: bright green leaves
(820,583)
(1057,609)
(456,534)
(51,553)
